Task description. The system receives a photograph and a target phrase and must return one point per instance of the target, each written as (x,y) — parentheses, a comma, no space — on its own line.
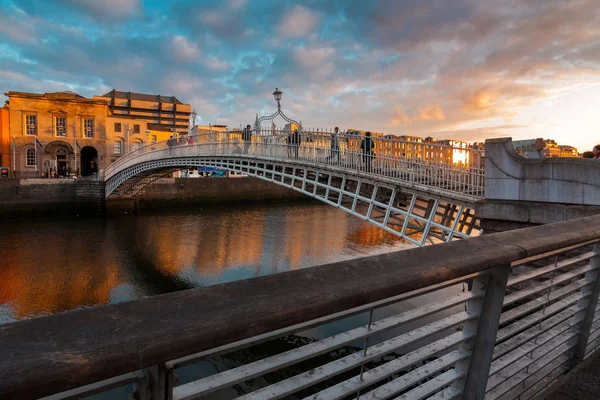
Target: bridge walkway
(582,383)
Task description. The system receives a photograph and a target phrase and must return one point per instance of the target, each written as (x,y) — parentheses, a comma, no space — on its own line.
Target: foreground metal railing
(453,169)
(497,317)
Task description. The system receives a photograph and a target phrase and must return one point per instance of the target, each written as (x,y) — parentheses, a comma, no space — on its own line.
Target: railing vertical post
(485,328)
(586,324)
(154,385)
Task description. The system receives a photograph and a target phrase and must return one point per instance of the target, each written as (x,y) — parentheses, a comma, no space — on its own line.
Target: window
(135,146)
(31,162)
(153,138)
(136,128)
(31,124)
(117,127)
(118,148)
(88,127)
(61,126)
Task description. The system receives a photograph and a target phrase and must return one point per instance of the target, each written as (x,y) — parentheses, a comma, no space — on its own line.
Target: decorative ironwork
(277,94)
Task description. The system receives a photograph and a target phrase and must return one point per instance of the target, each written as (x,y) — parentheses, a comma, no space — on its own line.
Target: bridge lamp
(277,94)
(194,115)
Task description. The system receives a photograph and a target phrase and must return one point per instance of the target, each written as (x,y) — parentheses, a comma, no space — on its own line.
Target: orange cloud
(429,112)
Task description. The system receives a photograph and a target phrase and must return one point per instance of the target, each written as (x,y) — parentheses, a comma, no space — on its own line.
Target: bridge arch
(420,216)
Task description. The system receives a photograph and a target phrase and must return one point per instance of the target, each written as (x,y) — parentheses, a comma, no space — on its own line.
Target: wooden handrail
(46,355)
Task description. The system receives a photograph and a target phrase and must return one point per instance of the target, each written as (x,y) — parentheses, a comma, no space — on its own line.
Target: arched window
(31,161)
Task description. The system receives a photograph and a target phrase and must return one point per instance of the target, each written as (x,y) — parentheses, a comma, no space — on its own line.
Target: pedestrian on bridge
(367,145)
(247,138)
(334,151)
(295,139)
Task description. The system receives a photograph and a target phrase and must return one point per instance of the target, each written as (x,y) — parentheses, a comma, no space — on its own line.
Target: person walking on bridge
(367,145)
(295,139)
(334,151)
(247,138)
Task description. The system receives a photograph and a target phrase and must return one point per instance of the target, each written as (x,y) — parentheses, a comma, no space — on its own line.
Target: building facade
(134,119)
(65,134)
(56,134)
(5,145)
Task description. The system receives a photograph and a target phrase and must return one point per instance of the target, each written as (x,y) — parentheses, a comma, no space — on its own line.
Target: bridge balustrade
(498,316)
(454,170)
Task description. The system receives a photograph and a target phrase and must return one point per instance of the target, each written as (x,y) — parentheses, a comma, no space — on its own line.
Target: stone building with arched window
(64,134)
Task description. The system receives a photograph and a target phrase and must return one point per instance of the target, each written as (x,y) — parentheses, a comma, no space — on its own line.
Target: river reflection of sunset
(54,265)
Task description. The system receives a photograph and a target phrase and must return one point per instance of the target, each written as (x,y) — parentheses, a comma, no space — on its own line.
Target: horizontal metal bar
(180,362)
(518,341)
(337,367)
(98,387)
(526,348)
(352,385)
(261,367)
(550,347)
(447,394)
(519,326)
(520,311)
(422,391)
(547,269)
(524,293)
(540,379)
(413,377)
(560,355)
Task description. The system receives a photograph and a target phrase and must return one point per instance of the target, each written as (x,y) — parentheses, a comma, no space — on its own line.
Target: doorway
(89,161)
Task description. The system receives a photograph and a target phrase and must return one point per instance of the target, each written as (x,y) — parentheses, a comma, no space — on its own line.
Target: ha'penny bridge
(422,192)
(501,315)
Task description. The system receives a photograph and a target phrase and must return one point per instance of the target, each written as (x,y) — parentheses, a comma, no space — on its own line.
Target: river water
(53,265)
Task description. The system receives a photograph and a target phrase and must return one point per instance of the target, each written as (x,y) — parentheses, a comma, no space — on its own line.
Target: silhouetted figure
(247,138)
(367,145)
(596,151)
(334,151)
(295,142)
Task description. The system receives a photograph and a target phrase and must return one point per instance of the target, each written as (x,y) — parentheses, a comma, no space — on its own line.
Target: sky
(451,69)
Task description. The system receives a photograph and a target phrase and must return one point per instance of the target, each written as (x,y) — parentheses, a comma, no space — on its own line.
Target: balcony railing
(498,317)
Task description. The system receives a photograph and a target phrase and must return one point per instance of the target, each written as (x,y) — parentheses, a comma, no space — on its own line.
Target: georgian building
(59,133)
(64,133)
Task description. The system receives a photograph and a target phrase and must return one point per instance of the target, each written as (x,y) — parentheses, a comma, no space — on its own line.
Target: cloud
(15,29)
(183,49)
(106,10)
(298,22)
(215,64)
(430,112)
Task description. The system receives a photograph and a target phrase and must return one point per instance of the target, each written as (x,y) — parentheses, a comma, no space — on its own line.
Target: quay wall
(214,191)
(23,198)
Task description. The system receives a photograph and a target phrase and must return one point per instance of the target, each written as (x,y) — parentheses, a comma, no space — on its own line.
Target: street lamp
(194,115)
(277,94)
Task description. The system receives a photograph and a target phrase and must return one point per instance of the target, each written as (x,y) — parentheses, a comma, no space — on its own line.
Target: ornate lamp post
(277,95)
(194,115)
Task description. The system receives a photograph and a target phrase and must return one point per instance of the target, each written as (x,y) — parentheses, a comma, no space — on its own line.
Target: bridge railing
(497,317)
(448,168)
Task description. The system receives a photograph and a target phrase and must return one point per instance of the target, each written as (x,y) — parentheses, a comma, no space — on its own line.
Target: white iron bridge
(423,192)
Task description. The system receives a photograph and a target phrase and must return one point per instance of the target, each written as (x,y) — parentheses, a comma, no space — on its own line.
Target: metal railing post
(485,328)
(154,386)
(594,290)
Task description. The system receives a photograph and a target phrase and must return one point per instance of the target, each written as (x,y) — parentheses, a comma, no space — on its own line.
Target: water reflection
(49,266)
